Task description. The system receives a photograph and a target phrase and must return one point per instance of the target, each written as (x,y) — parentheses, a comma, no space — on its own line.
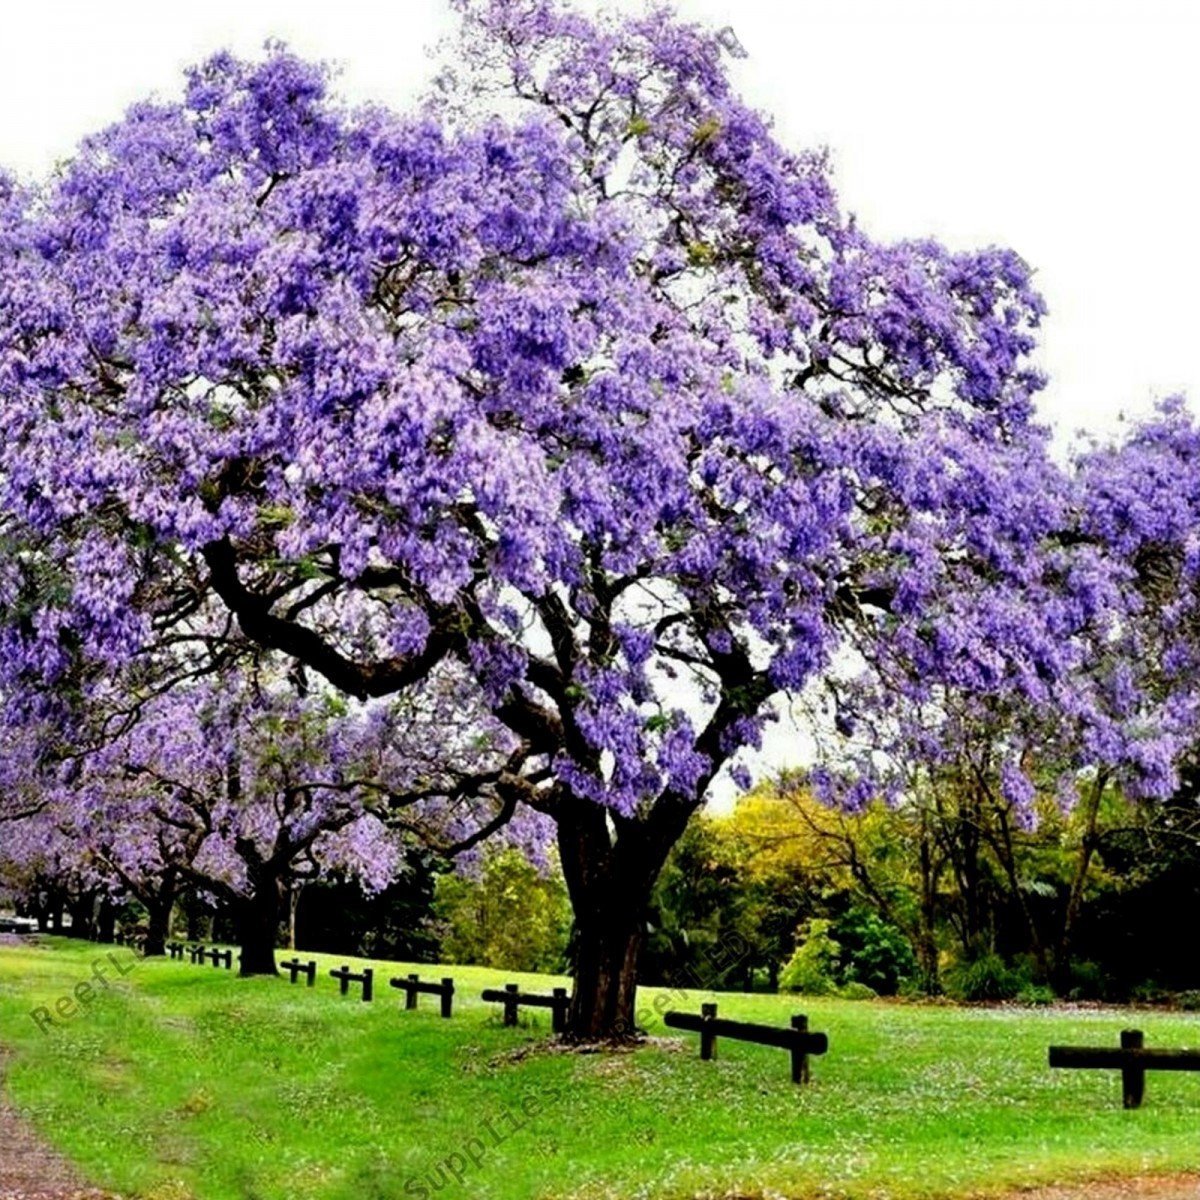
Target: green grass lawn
(185,1082)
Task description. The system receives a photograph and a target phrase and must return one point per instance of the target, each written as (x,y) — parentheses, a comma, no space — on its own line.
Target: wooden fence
(413,987)
(513,998)
(796,1039)
(1133,1059)
(366,977)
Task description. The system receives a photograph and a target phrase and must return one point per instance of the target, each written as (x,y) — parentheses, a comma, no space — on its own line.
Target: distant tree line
(939,895)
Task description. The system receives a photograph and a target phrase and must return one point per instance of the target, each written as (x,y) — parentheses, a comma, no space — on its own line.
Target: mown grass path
(186,1083)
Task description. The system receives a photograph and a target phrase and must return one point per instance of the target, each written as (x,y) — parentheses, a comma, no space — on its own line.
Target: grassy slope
(187,1082)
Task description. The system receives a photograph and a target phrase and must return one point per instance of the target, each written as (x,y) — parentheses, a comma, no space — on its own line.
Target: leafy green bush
(812,969)
(857,991)
(987,977)
(873,952)
(1149,992)
(859,956)
(1035,993)
(1087,981)
(511,916)
(1189,1001)
(914,987)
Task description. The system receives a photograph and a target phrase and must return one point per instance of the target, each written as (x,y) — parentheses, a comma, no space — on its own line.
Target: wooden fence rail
(1133,1059)
(295,968)
(797,1039)
(413,986)
(513,998)
(367,978)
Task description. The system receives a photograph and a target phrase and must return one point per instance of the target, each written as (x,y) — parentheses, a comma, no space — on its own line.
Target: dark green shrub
(1087,982)
(1035,993)
(873,952)
(1148,992)
(987,977)
(916,987)
(857,991)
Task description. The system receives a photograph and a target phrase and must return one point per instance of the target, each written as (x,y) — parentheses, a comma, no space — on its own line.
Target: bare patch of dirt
(1145,1187)
(538,1049)
(1142,1187)
(30,1169)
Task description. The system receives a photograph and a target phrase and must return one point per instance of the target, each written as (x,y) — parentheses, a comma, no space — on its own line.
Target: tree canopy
(573,377)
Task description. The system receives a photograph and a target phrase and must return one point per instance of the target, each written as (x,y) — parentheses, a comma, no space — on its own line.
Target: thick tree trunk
(158,926)
(83,917)
(609,881)
(106,921)
(258,927)
(195,918)
(603,1003)
(159,906)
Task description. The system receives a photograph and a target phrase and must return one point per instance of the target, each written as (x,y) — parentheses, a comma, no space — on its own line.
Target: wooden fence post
(708,1039)
(410,995)
(510,1004)
(447,996)
(799,1053)
(1133,1079)
(558,1014)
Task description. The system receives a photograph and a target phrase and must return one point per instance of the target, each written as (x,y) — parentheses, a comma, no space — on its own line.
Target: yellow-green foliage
(510,916)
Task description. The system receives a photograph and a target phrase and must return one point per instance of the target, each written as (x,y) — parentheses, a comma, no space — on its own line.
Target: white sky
(1063,128)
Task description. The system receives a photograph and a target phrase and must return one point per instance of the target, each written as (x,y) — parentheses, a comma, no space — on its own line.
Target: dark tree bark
(195,919)
(603,1003)
(1002,844)
(926,932)
(158,925)
(258,924)
(959,835)
(610,880)
(106,921)
(83,916)
(1088,844)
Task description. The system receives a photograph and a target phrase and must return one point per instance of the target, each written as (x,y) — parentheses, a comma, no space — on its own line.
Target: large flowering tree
(575,376)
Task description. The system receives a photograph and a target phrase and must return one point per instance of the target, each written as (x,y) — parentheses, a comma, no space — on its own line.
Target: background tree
(509,915)
(243,787)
